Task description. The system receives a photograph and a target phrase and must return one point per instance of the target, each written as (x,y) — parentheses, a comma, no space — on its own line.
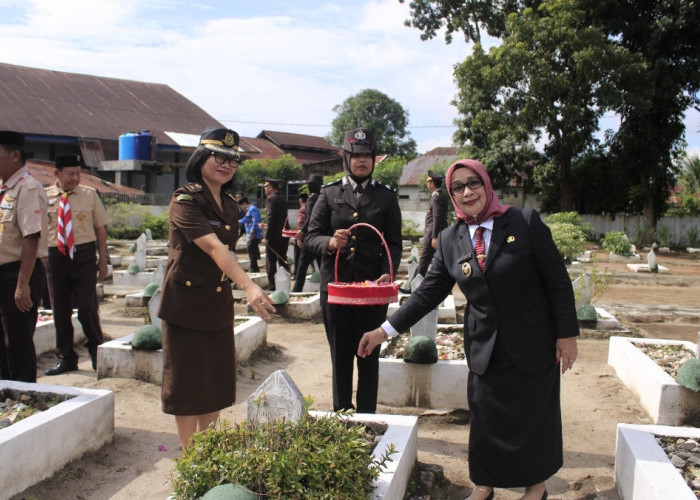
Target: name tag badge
(215,223)
(339,201)
(51,202)
(5,206)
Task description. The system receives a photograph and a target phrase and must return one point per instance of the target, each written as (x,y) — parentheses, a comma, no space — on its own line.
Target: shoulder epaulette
(333,183)
(230,195)
(385,186)
(193,187)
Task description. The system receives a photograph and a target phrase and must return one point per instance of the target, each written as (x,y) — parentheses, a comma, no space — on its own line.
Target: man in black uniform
(275,244)
(435,221)
(306,257)
(23,207)
(341,204)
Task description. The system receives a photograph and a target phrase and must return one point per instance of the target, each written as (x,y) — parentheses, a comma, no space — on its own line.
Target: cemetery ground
(139,462)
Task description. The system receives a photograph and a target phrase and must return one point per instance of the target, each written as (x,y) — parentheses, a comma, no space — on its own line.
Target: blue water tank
(135,146)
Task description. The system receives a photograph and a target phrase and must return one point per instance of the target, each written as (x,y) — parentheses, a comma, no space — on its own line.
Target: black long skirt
(515,437)
(199,370)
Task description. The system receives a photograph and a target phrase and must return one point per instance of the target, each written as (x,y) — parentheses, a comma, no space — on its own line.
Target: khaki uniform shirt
(22,213)
(87,213)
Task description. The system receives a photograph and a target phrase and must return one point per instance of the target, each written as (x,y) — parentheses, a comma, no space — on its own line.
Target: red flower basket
(286,231)
(367,293)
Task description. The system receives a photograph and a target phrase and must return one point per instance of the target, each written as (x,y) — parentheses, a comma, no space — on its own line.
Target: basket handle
(386,247)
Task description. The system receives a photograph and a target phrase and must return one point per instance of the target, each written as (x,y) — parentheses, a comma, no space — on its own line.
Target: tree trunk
(649,213)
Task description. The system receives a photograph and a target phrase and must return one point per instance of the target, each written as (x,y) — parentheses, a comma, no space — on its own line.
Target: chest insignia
(5,206)
(215,223)
(466,269)
(339,201)
(184,197)
(10,198)
(510,239)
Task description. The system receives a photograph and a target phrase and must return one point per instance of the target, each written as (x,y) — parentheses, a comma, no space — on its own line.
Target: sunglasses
(231,161)
(472,183)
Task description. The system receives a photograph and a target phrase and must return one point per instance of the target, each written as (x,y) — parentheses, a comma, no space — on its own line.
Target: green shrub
(587,313)
(158,224)
(314,458)
(133,268)
(617,242)
(121,231)
(569,239)
(421,350)
(147,338)
(689,375)
(410,230)
(571,218)
(693,236)
(663,236)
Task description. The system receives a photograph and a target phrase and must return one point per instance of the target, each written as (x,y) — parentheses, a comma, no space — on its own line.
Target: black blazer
(276,214)
(523,299)
(435,216)
(364,258)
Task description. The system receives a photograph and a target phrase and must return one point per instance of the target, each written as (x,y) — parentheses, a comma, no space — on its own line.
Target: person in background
(23,207)
(251,223)
(520,331)
(355,198)
(301,220)
(199,355)
(435,221)
(306,256)
(275,244)
(77,228)
(238,197)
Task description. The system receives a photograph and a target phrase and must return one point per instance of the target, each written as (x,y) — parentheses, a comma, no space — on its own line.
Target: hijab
(492,207)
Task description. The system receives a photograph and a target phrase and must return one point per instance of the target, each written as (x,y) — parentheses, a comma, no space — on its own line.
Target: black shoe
(62,367)
(407,291)
(93,357)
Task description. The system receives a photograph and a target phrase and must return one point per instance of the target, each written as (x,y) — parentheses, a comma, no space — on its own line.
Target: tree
(554,76)
(377,112)
(650,140)
(389,170)
(252,173)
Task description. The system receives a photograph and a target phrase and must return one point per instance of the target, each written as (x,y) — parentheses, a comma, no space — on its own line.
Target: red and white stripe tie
(64,229)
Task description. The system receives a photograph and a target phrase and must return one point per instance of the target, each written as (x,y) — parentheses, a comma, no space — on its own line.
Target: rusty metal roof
(55,103)
(418,167)
(42,171)
(287,140)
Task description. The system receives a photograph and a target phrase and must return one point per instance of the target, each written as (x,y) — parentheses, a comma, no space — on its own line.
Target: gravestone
(583,290)
(415,252)
(282,280)
(153,304)
(651,259)
(149,234)
(427,325)
(278,398)
(140,255)
(159,274)
(412,268)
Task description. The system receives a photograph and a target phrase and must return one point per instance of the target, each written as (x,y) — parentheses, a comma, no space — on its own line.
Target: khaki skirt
(199,370)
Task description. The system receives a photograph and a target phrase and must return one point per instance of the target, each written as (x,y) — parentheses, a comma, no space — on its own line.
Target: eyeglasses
(472,183)
(231,161)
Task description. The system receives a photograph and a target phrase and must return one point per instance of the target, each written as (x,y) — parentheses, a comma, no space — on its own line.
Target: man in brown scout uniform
(77,227)
(22,245)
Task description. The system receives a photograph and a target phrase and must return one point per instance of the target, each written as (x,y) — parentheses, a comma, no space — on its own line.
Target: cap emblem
(229,140)
(360,135)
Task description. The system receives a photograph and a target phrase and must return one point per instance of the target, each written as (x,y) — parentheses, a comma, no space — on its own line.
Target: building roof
(42,171)
(54,103)
(286,140)
(418,167)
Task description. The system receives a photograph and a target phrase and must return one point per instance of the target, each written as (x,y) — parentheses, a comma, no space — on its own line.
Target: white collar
(487,224)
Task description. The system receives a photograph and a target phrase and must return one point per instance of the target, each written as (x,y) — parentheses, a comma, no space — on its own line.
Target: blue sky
(254,65)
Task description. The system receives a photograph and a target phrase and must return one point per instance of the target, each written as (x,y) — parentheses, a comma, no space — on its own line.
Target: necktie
(480,248)
(64,228)
(358,191)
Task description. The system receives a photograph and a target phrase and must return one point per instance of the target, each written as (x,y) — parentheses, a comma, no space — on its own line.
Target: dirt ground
(593,399)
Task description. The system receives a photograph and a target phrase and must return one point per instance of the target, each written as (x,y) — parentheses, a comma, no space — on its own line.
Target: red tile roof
(43,172)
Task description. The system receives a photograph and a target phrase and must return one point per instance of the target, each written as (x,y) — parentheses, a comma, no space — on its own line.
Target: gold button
(352,249)
(218,289)
(355,215)
(228,228)
(354,237)
(188,283)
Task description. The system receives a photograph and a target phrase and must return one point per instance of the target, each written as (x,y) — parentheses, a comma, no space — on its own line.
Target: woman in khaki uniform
(199,373)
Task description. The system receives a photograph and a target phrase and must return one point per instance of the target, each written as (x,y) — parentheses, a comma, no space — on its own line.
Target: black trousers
(306,257)
(253,247)
(279,246)
(426,257)
(17,353)
(345,326)
(72,283)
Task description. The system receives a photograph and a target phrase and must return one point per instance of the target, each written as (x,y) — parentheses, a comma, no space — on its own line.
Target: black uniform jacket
(196,294)
(313,198)
(435,216)
(523,299)
(364,257)
(276,214)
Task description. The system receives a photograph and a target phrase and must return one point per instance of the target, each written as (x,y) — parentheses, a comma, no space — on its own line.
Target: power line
(323,126)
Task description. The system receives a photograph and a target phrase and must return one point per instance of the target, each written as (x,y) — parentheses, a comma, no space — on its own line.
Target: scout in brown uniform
(72,275)
(22,245)
(199,369)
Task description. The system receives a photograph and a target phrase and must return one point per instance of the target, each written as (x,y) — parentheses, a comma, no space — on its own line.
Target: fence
(680,229)
(141,199)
